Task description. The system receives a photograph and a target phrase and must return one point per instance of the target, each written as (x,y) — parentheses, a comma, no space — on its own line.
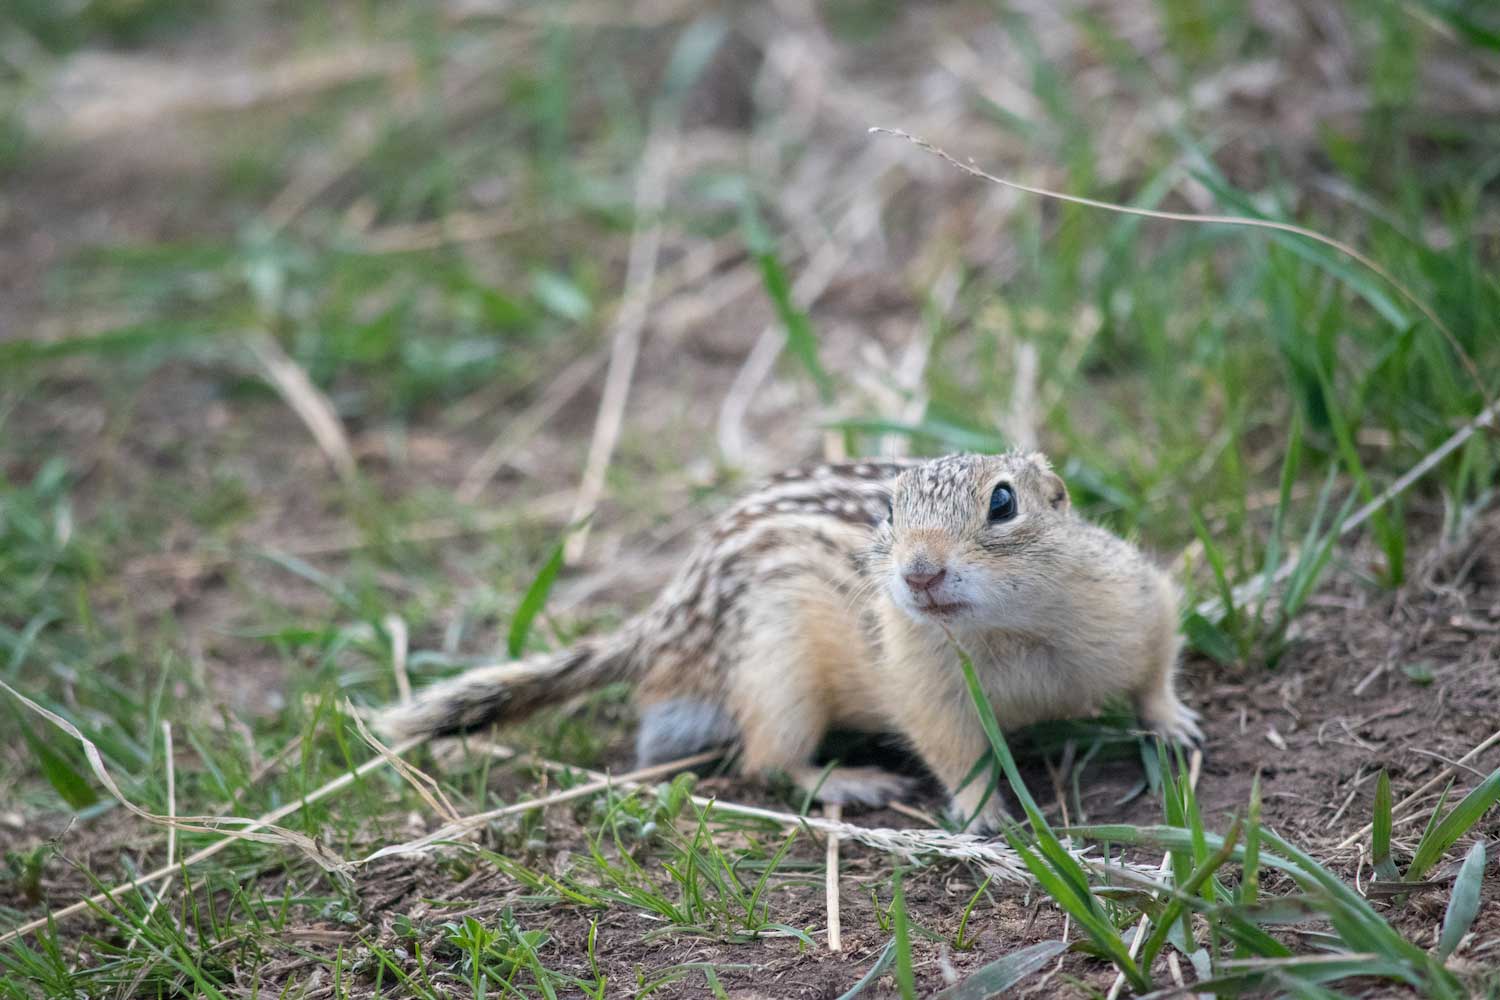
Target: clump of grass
(1252,619)
(709,890)
(1238,951)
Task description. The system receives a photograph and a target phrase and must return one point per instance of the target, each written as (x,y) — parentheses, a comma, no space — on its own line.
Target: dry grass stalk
(308,402)
(196,824)
(1483,421)
(263,822)
(734,447)
(268,765)
(687,272)
(625,347)
(1020,422)
(336,542)
(1175,968)
(989,857)
(468,824)
(519,431)
(834,812)
(423,783)
(97,95)
(396,626)
(912,812)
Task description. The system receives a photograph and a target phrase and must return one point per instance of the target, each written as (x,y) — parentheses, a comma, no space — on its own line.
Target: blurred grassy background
(431,208)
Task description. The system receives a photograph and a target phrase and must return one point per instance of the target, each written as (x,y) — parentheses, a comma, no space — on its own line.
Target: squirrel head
(969,536)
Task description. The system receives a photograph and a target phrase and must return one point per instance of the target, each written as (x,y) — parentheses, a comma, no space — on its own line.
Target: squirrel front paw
(1171,720)
(983,819)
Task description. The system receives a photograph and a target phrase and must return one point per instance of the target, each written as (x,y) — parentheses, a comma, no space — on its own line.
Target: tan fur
(794,616)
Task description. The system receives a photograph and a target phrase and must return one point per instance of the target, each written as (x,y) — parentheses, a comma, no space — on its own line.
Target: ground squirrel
(832,597)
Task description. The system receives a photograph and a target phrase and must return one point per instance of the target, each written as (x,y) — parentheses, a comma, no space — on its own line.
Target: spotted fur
(791,617)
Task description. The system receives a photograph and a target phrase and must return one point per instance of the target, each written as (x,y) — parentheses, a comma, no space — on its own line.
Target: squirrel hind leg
(679,727)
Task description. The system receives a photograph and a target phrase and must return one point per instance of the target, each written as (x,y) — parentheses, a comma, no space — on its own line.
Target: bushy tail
(508,692)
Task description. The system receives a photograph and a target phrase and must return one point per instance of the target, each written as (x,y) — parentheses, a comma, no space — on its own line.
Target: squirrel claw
(1179,725)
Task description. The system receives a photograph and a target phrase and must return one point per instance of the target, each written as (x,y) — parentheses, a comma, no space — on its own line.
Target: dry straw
(308,402)
(630,323)
(991,857)
(834,812)
(252,829)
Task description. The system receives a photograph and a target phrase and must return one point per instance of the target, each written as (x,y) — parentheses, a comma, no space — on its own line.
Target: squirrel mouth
(941,610)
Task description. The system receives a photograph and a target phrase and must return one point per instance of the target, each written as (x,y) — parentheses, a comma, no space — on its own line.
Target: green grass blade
(1317,550)
(1001,749)
(1209,639)
(1363,283)
(960,941)
(905,980)
(1249,938)
(1060,874)
(800,338)
(1177,908)
(1460,820)
(945,432)
(1343,433)
(1361,927)
(1291,465)
(1105,936)
(754,903)
(1250,878)
(533,601)
(1463,905)
(887,956)
(64,778)
(1470,27)
(1000,975)
(1380,830)
(124,340)
(695,49)
(1215,556)
(1305,989)
(1073,879)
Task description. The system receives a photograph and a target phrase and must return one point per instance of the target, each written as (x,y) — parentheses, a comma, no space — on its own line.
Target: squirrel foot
(865,786)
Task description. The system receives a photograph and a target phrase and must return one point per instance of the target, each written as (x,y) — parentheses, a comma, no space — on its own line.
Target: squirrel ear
(1056,491)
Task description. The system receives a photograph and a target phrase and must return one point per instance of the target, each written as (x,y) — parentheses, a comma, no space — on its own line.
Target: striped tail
(509,692)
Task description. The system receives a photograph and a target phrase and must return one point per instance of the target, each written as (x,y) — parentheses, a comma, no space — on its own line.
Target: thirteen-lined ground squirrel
(828,597)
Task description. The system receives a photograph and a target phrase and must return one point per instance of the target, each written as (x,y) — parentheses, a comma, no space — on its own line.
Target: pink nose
(920,582)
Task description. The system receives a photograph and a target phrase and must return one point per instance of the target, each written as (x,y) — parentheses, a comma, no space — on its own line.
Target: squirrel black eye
(890,508)
(1002,504)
